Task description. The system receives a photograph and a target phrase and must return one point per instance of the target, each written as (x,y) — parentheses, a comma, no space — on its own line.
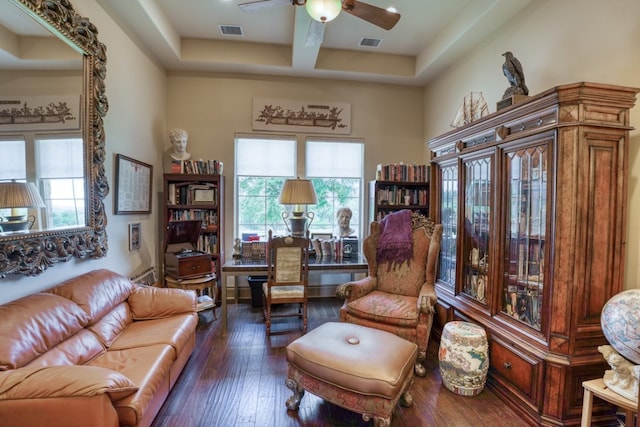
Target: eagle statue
(512,69)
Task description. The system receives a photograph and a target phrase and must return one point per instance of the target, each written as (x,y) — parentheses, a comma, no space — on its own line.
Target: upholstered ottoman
(361,369)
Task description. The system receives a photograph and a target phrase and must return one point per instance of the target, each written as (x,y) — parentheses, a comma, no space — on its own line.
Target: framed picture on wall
(133,186)
(134,236)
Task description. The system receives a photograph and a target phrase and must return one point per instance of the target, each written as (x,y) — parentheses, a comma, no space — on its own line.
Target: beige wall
(558,42)
(213,108)
(134,126)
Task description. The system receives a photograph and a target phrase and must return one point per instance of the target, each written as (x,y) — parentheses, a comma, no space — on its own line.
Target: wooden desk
(237,268)
(598,388)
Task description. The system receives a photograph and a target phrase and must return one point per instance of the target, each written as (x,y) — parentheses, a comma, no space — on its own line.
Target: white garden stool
(464,358)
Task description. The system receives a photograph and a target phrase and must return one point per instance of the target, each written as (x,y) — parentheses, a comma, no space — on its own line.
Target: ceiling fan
(323,11)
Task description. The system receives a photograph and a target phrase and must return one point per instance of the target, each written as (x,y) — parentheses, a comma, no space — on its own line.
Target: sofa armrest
(64,381)
(155,303)
(427,298)
(353,290)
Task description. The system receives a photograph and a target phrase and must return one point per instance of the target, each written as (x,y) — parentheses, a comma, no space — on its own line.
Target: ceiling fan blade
(315,34)
(370,13)
(258,5)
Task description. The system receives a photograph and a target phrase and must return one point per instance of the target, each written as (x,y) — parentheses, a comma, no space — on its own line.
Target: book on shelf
(197,167)
(187,193)
(402,172)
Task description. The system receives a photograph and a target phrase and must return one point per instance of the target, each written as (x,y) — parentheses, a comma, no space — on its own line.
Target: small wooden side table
(598,388)
(206,283)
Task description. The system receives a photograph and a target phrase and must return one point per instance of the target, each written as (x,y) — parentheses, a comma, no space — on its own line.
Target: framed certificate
(133,186)
(203,196)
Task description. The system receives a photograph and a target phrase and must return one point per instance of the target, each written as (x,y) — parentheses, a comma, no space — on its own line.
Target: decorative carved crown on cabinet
(533,202)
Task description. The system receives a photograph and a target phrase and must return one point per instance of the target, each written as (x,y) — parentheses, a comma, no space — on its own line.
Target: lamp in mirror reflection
(297,193)
(18,196)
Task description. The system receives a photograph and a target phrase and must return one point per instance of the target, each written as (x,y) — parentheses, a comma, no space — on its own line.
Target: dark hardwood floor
(238,380)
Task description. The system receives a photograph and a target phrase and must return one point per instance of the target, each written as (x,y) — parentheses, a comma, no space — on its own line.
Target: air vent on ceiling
(370,42)
(231,30)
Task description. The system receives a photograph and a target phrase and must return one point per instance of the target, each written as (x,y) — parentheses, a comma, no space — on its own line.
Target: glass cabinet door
(449,221)
(526,214)
(477,215)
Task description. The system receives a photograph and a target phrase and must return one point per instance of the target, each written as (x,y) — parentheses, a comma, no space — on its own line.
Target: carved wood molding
(32,253)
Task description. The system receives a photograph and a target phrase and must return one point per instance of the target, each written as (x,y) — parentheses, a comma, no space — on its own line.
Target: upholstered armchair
(398,295)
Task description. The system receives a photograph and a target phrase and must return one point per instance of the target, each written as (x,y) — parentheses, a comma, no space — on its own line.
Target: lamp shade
(298,192)
(324,10)
(15,194)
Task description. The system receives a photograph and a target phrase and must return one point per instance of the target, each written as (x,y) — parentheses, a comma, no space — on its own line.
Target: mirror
(31,253)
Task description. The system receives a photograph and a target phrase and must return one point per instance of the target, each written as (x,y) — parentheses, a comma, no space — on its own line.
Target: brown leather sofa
(96,350)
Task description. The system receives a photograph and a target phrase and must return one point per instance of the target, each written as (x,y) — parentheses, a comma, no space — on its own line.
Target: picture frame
(135,235)
(133,182)
(202,196)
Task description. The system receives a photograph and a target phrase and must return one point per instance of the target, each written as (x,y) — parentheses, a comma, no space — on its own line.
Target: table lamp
(16,195)
(297,192)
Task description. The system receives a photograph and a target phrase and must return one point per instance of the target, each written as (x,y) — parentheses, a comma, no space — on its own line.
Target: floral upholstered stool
(464,358)
(361,369)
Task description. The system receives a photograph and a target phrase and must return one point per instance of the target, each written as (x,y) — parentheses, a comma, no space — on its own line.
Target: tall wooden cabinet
(532,200)
(390,196)
(198,196)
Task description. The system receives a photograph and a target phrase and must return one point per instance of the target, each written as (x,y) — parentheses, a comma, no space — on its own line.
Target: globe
(620,321)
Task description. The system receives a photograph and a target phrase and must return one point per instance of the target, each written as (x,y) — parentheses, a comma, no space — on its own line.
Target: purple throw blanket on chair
(395,243)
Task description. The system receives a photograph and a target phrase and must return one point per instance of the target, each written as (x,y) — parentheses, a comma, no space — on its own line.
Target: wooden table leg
(587,403)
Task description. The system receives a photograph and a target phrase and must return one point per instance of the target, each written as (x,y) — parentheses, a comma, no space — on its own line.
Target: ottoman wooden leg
(293,402)
(406,399)
(378,421)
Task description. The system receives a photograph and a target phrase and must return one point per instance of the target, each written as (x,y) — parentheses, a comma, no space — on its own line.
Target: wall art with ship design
(301,116)
(40,112)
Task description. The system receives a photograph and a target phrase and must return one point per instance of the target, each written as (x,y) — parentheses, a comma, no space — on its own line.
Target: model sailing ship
(472,108)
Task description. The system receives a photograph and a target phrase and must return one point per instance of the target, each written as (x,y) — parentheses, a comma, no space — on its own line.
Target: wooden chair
(287,278)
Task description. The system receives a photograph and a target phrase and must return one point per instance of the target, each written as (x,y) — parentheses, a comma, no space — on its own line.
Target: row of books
(186,193)
(205,167)
(207,216)
(403,196)
(255,250)
(402,172)
(208,243)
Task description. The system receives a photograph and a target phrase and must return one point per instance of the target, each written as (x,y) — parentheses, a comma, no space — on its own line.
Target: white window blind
(334,159)
(60,158)
(265,156)
(13,162)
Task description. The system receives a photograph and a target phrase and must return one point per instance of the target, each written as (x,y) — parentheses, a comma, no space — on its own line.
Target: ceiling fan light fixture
(324,10)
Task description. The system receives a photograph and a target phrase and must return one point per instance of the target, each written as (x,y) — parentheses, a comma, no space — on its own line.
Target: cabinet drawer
(194,267)
(518,369)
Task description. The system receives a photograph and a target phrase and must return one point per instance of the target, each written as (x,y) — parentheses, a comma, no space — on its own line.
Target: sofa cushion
(76,350)
(148,367)
(175,331)
(64,381)
(96,292)
(112,324)
(155,303)
(35,324)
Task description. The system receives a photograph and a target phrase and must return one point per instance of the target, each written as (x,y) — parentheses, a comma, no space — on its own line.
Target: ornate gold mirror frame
(32,253)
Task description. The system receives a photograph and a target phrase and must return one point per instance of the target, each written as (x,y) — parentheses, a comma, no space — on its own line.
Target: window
(55,163)
(60,173)
(264,162)
(262,165)
(336,170)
